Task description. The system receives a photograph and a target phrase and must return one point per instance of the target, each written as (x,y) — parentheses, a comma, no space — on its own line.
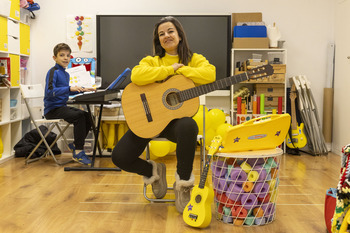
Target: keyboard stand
(96,131)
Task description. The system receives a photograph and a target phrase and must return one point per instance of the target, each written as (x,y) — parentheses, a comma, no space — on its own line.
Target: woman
(171,56)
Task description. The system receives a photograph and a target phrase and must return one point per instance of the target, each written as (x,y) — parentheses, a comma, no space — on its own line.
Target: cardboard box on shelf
(272,102)
(252,42)
(276,78)
(246,17)
(279,68)
(248,42)
(270,89)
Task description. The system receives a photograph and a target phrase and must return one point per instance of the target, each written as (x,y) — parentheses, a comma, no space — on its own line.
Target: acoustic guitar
(298,137)
(148,109)
(197,212)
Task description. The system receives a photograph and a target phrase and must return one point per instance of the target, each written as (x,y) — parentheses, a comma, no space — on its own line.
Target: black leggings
(182,131)
(79,118)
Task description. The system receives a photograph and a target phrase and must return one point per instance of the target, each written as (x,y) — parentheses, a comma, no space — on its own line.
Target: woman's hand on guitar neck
(176,66)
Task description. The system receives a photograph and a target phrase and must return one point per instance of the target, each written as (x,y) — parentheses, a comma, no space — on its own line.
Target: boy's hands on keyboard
(82,89)
(89,89)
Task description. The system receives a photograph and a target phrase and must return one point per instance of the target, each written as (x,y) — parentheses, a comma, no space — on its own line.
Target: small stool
(148,156)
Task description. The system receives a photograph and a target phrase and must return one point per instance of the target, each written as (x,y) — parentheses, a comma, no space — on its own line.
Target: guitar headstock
(260,72)
(293,93)
(215,144)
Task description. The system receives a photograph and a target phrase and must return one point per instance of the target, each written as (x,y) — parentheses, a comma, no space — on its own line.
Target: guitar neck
(204,173)
(217,85)
(294,116)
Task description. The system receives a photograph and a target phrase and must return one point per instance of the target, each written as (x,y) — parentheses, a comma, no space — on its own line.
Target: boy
(57,91)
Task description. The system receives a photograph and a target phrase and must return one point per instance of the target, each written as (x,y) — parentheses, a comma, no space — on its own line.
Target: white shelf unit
(11,121)
(219,99)
(241,55)
(14,44)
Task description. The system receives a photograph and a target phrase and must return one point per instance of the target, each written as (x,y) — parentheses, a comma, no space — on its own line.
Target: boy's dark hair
(183,50)
(59,47)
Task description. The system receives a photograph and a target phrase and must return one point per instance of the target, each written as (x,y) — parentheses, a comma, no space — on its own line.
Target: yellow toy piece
(253,176)
(246,167)
(266,132)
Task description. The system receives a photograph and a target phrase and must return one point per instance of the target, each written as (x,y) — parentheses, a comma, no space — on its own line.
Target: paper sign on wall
(79,33)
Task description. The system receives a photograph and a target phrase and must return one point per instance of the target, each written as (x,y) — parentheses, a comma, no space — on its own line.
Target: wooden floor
(43,198)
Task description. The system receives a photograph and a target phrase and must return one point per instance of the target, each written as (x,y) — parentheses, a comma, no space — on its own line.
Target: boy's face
(62,58)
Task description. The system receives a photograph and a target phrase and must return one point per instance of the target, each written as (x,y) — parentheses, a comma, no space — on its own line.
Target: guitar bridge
(146,107)
(193,216)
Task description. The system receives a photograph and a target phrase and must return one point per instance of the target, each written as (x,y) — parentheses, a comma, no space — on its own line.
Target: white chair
(36,91)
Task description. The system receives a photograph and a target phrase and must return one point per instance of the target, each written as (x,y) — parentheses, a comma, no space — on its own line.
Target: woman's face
(169,37)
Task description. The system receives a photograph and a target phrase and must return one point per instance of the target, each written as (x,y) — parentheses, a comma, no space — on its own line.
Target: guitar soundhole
(171,99)
(198,198)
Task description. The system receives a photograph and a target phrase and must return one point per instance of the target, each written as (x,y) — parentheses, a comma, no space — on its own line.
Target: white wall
(341,111)
(307,26)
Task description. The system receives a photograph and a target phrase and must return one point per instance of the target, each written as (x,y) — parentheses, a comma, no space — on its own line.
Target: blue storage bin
(250,31)
(13,103)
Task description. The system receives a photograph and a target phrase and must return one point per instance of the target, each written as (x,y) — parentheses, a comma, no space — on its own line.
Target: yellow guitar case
(266,132)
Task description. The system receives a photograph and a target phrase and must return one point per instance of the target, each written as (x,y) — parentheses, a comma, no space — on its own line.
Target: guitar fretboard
(217,85)
(204,173)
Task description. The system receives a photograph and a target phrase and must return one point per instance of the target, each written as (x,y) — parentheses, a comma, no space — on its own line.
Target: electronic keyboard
(100,96)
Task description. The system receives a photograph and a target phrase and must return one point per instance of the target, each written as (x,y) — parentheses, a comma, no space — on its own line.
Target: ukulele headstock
(293,93)
(215,144)
(260,72)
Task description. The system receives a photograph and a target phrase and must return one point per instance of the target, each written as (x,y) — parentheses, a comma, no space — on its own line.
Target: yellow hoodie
(153,69)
